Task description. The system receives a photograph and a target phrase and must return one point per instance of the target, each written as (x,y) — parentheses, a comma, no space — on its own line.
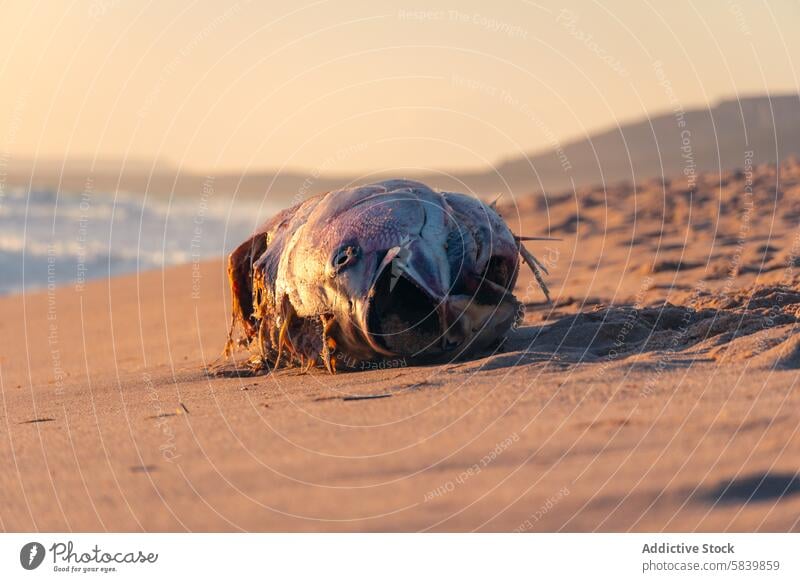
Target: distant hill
(673,144)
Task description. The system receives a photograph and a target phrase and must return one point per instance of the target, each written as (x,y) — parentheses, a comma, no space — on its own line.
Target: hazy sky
(366,85)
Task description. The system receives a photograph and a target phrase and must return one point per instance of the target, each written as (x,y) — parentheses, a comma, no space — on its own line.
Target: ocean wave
(100,235)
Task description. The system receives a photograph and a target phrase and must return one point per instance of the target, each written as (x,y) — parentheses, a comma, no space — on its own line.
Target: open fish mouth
(410,314)
(403,319)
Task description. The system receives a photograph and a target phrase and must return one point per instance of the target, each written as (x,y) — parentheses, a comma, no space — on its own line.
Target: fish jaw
(412,275)
(411,312)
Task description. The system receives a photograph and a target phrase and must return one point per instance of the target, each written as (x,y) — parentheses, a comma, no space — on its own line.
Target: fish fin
(520,238)
(281,340)
(540,265)
(493,203)
(240,279)
(535,266)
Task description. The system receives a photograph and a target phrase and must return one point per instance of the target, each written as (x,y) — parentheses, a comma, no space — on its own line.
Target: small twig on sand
(35,420)
(365,397)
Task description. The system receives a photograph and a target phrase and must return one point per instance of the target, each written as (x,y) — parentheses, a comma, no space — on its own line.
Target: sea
(50,238)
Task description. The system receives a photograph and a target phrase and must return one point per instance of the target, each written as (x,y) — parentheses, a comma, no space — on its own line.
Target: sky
(355,86)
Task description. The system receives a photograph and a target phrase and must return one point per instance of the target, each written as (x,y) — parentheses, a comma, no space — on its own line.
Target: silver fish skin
(392,269)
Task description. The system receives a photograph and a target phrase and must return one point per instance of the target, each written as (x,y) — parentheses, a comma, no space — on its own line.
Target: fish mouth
(411,313)
(405,316)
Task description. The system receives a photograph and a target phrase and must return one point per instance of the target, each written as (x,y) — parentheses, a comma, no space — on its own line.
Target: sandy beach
(657,393)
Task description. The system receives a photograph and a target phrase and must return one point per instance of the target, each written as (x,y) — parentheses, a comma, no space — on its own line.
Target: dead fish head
(408,275)
(392,269)
(386,273)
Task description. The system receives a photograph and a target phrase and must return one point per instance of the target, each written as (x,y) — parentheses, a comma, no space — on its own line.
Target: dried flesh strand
(282,339)
(328,343)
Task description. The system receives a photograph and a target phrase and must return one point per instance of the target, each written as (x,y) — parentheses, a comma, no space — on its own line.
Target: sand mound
(784,356)
(756,324)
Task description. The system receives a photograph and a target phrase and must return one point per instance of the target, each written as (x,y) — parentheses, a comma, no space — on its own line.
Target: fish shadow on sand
(759,487)
(604,334)
(757,324)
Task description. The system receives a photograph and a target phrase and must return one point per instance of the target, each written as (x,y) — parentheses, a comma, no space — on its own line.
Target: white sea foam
(47,238)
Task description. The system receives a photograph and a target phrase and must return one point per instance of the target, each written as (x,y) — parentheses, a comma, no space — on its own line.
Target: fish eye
(345,256)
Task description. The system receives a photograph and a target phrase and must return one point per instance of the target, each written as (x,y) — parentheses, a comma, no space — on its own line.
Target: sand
(658,393)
